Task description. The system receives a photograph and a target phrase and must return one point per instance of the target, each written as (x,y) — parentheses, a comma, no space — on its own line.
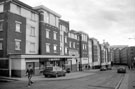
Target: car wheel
(64,74)
(56,75)
(45,76)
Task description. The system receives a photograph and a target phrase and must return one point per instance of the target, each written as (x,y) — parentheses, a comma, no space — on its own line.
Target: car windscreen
(48,68)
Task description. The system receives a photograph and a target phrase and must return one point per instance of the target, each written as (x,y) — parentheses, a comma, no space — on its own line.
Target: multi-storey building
(73,42)
(131,56)
(117,56)
(116,53)
(70,56)
(103,55)
(49,36)
(107,54)
(96,53)
(90,53)
(19,35)
(124,56)
(83,50)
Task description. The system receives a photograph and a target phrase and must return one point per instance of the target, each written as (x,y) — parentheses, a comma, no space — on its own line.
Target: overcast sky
(109,20)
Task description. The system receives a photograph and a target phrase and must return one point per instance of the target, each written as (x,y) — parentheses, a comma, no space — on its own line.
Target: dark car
(103,68)
(54,71)
(109,68)
(121,69)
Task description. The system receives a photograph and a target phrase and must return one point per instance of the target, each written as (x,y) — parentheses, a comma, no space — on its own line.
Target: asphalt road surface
(101,80)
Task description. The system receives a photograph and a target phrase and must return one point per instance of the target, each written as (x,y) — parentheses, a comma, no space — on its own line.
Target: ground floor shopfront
(17,64)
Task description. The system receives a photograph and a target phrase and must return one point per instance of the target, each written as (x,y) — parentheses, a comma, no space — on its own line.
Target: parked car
(109,68)
(68,70)
(121,69)
(103,68)
(54,71)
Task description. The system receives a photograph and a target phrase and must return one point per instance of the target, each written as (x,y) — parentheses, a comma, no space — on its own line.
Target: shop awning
(42,56)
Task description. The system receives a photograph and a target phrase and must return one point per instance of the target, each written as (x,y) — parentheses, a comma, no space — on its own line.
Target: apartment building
(90,53)
(103,55)
(107,54)
(124,56)
(73,42)
(96,53)
(131,56)
(83,50)
(19,35)
(65,39)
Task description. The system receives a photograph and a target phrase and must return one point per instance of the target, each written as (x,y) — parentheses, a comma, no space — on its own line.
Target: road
(101,80)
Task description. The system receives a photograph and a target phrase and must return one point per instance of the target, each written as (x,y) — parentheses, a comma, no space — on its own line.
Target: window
(55,48)
(55,35)
(83,46)
(17,44)
(74,45)
(60,38)
(32,32)
(66,50)
(32,16)
(32,47)
(18,26)
(18,9)
(47,47)
(65,39)
(47,33)
(1,46)
(70,44)
(52,20)
(1,26)
(46,17)
(1,7)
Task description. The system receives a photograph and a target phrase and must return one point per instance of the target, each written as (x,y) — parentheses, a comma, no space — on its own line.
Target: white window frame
(47,33)
(1,25)
(32,47)
(33,15)
(70,44)
(17,44)
(55,48)
(18,29)
(65,39)
(61,38)
(47,47)
(55,35)
(32,31)
(1,45)
(18,9)
(74,45)
(66,50)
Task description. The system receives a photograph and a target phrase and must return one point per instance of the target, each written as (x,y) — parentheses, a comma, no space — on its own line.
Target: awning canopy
(42,56)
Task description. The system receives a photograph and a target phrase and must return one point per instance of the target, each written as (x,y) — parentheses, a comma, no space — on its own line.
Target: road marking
(119,83)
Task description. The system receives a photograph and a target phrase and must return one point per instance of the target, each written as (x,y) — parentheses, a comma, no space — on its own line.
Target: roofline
(46,9)
(24,5)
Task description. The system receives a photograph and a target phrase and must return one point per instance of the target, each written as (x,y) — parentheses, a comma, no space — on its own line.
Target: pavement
(72,75)
(128,81)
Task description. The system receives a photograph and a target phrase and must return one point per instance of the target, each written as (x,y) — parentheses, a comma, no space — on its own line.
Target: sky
(109,20)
